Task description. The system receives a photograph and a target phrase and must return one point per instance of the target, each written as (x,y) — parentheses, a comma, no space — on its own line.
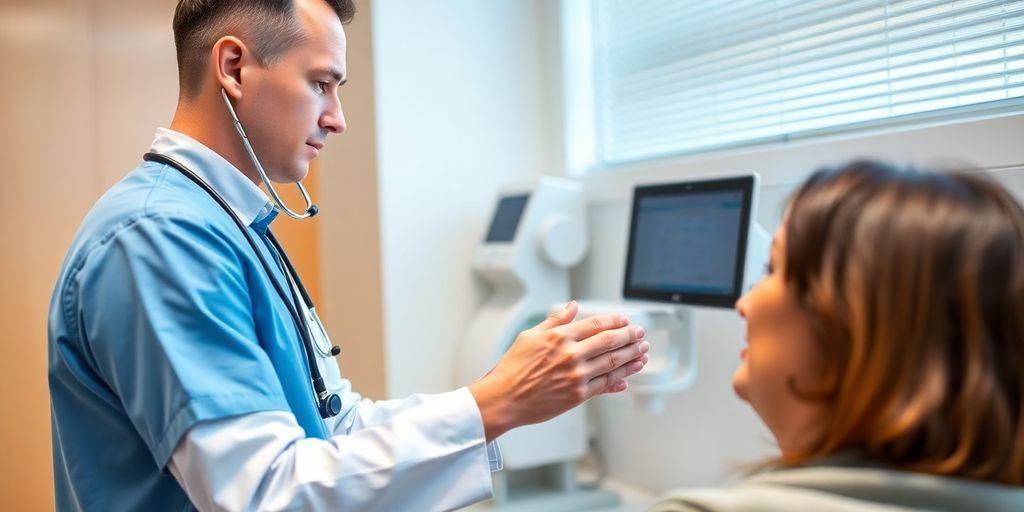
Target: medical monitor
(506,218)
(688,241)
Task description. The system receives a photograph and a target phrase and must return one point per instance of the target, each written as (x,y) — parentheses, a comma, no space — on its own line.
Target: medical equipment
(329,404)
(311,209)
(696,243)
(537,233)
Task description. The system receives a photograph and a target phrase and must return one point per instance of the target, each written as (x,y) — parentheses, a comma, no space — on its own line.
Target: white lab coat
(423,453)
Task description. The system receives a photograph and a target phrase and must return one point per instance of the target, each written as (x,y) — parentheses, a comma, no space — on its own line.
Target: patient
(885,349)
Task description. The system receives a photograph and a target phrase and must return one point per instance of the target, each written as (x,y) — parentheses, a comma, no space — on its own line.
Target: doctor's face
(291,105)
(781,354)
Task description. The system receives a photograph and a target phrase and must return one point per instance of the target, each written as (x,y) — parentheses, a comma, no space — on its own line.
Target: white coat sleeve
(431,455)
(359,413)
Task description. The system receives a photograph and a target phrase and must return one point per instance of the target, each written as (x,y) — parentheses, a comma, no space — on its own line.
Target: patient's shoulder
(760,498)
(839,488)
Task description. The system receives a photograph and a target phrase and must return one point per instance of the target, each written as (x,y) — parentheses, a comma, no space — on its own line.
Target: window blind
(675,77)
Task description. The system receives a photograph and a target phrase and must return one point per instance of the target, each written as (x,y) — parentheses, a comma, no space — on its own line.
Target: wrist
(495,410)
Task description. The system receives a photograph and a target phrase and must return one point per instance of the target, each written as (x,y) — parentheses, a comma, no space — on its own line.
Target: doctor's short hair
(267,27)
(914,285)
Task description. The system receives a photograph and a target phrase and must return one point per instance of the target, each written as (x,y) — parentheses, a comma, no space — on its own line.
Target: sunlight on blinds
(684,76)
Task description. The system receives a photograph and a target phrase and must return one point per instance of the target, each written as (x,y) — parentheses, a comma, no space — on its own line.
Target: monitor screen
(687,242)
(506,218)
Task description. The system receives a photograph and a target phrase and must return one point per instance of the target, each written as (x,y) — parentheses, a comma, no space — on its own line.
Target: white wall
(462,107)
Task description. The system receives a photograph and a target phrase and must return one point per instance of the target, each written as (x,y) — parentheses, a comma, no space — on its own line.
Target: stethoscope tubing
(330,351)
(311,208)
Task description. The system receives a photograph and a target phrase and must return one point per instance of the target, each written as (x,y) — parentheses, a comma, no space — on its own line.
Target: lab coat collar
(247,200)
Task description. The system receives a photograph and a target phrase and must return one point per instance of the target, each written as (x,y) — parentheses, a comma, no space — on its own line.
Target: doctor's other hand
(556,366)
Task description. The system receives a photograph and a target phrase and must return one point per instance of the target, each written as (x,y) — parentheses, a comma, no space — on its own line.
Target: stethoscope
(311,208)
(329,404)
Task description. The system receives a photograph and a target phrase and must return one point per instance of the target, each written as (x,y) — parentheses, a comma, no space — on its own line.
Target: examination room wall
(464,105)
(86,83)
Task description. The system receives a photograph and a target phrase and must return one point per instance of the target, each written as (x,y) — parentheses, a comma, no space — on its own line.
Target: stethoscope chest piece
(330,406)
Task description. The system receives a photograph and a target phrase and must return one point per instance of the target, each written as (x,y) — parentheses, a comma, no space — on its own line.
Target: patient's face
(780,353)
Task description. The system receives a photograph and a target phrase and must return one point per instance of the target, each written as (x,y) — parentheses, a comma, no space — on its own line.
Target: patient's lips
(743,353)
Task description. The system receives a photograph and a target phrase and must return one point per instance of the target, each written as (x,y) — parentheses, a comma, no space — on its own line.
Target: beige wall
(85,83)
(350,223)
(47,90)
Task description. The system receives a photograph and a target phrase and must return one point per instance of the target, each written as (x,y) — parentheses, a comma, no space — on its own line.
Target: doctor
(182,365)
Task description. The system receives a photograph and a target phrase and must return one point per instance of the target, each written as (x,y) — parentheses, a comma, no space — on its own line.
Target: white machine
(693,243)
(536,235)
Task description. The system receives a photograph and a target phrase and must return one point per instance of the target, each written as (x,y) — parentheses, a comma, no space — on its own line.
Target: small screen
(688,241)
(506,218)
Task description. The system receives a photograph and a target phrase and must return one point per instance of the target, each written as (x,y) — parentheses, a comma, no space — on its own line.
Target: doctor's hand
(556,366)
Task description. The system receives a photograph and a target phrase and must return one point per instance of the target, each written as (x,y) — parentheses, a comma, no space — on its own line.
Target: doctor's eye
(321,86)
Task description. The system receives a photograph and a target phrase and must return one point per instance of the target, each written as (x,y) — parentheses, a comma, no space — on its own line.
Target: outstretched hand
(558,365)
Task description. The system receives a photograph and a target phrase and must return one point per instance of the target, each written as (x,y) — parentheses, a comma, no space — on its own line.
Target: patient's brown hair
(914,284)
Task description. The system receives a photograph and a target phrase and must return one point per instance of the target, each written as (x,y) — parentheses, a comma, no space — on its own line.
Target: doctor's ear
(228,56)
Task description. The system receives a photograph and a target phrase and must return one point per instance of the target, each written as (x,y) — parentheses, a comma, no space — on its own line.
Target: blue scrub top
(163,317)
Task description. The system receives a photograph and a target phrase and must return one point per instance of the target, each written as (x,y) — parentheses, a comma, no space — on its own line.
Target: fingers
(614,381)
(566,315)
(615,360)
(591,326)
(609,341)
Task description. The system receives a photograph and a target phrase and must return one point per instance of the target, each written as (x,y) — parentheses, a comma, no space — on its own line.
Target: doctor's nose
(333,122)
(333,119)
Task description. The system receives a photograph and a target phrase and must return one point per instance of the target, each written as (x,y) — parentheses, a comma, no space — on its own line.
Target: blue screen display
(687,242)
